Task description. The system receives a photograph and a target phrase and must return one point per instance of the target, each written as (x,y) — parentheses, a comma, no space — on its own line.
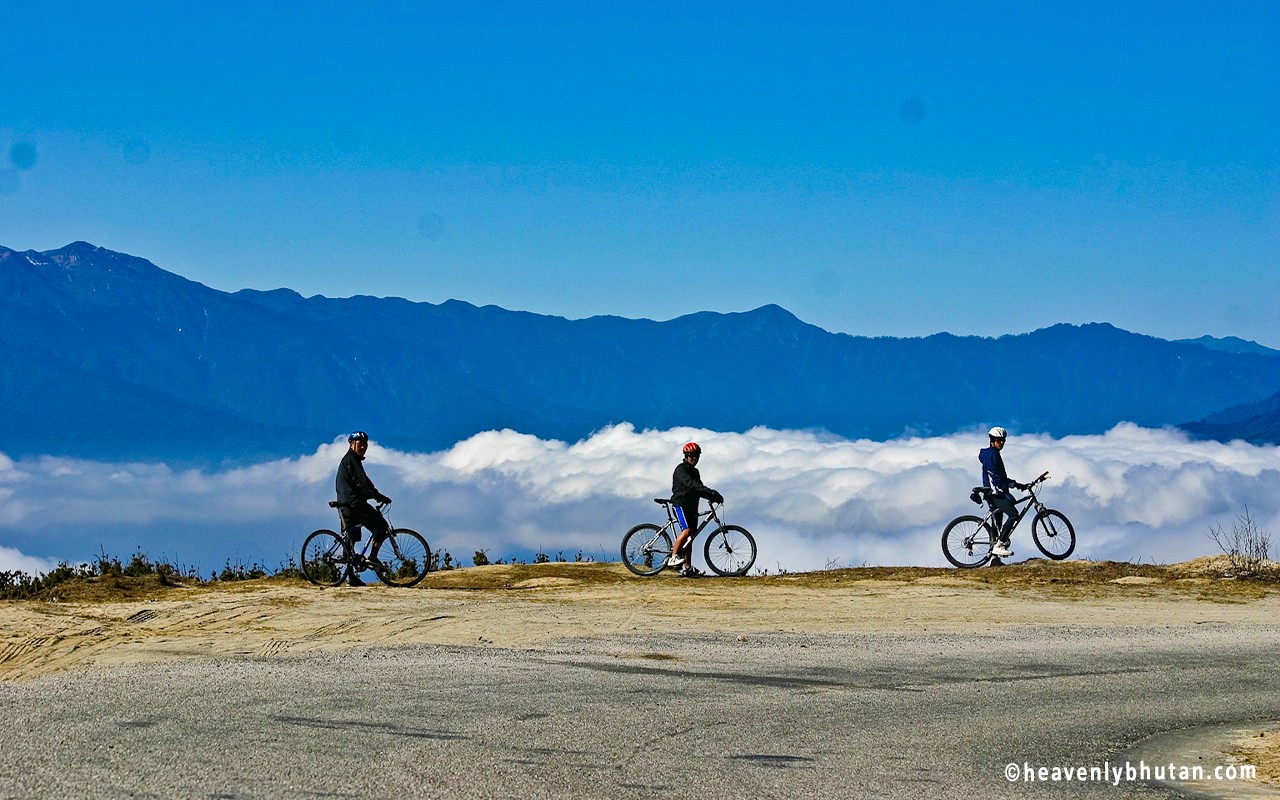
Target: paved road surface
(715,716)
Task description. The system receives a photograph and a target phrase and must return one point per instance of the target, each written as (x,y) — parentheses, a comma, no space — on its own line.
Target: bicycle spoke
(967,542)
(324,558)
(645,549)
(730,550)
(1053,534)
(401,558)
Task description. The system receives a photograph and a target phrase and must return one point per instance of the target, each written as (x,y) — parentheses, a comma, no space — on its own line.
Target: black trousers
(363,515)
(1003,502)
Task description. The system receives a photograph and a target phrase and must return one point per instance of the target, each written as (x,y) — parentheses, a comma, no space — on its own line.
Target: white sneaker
(1001,550)
(675,561)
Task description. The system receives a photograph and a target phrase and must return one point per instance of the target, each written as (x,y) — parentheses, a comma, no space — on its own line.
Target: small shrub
(441,559)
(481,558)
(239,572)
(1247,547)
(289,569)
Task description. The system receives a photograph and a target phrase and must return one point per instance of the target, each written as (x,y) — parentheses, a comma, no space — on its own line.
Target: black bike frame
(345,530)
(1030,500)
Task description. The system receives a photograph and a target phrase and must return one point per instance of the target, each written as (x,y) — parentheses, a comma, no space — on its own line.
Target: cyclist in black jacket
(686,489)
(355,490)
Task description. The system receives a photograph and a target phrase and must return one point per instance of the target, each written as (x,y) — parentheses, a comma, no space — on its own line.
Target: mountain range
(105,355)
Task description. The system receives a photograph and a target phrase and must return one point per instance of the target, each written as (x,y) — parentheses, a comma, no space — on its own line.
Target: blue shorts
(680,518)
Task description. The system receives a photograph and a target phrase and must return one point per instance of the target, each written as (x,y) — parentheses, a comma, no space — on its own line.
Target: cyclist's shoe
(690,572)
(1002,550)
(675,562)
(354,580)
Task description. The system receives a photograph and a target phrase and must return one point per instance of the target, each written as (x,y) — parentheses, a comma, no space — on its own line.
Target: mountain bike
(401,558)
(730,550)
(968,540)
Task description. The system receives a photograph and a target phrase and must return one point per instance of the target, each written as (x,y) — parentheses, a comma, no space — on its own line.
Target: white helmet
(998,433)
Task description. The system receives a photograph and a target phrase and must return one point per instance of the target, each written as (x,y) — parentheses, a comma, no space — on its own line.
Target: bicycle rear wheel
(325,558)
(645,549)
(730,550)
(967,542)
(401,558)
(1053,534)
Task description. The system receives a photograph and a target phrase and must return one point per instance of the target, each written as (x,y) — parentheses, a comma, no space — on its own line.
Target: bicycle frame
(969,540)
(672,528)
(729,550)
(400,558)
(346,529)
(674,524)
(1031,502)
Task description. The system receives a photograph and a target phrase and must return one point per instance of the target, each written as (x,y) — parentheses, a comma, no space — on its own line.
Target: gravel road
(883,715)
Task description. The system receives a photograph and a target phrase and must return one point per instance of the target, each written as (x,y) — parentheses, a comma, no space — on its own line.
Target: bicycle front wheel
(730,550)
(402,558)
(645,549)
(325,558)
(967,542)
(1053,534)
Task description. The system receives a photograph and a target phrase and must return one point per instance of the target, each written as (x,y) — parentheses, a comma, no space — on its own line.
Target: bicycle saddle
(335,504)
(662,501)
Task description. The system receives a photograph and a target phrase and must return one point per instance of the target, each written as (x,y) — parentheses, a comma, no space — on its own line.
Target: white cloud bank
(811,500)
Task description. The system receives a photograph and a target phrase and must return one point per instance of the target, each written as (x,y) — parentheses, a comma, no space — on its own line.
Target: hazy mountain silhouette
(1258,423)
(106,355)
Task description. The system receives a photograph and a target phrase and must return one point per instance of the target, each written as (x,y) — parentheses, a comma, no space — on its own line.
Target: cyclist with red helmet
(686,489)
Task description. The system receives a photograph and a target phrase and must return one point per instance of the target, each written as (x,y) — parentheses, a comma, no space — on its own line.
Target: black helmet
(357,436)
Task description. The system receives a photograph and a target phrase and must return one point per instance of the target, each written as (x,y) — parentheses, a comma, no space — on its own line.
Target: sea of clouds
(812,500)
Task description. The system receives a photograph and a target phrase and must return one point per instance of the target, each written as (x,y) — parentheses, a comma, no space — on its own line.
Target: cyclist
(998,481)
(355,490)
(686,489)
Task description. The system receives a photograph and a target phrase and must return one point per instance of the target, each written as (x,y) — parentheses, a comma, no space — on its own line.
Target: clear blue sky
(877,168)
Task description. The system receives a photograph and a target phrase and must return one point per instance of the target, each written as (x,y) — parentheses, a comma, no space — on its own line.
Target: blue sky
(879,169)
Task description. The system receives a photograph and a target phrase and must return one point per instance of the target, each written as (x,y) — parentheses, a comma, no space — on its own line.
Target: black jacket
(352,483)
(687,486)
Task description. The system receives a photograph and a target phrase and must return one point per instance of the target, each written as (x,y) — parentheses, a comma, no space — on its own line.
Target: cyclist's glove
(382,498)
(716,497)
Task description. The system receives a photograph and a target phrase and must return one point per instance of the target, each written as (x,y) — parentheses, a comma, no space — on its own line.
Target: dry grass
(114,589)
(1202,579)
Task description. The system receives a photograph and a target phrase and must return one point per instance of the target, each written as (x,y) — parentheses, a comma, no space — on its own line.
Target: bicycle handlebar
(662,501)
(1044,476)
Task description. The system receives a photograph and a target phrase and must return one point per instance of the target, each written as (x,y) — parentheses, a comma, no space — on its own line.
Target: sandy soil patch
(1261,749)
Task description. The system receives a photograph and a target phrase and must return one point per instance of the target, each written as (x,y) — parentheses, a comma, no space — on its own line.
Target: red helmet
(692,449)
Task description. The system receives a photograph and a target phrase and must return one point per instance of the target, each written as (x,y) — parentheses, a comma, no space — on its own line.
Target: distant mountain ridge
(106,355)
(1230,344)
